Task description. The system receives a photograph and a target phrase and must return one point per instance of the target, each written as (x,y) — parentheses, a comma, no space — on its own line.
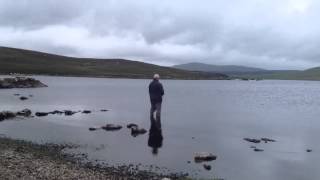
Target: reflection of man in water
(156,92)
(155,136)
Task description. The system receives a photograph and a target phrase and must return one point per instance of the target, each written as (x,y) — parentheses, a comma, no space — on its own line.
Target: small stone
(252,140)
(204,156)
(258,150)
(23,98)
(135,131)
(69,113)
(41,114)
(309,150)
(86,112)
(132,125)
(93,128)
(207,167)
(266,140)
(25,113)
(111,127)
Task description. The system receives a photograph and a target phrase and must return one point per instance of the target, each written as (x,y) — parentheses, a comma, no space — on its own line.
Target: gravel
(25,160)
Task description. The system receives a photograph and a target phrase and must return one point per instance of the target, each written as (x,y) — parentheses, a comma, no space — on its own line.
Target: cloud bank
(261,33)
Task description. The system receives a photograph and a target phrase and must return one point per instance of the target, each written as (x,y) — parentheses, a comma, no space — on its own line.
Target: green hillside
(31,62)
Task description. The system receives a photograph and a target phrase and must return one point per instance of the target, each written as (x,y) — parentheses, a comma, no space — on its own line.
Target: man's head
(156,76)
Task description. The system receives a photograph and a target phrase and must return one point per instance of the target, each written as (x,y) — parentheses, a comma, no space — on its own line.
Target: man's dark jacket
(156,91)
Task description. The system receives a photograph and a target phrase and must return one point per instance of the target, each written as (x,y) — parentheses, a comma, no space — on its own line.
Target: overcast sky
(272,34)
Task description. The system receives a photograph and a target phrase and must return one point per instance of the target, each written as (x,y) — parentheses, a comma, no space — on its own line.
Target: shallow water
(212,116)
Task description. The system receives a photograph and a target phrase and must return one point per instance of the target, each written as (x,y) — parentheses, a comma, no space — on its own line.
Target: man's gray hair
(156,76)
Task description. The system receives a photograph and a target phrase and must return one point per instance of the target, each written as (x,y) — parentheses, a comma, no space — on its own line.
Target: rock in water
(252,140)
(20,82)
(207,167)
(93,128)
(25,113)
(266,140)
(86,112)
(104,110)
(135,131)
(131,125)
(7,115)
(111,127)
(204,156)
(22,98)
(258,150)
(56,112)
(41,114)
(69,113)
(309,150)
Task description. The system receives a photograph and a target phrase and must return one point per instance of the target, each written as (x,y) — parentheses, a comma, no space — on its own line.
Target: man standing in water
(156,92)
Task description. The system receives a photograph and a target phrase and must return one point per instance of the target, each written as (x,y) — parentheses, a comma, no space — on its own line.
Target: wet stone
(23,98)
(207,167)
(252,140)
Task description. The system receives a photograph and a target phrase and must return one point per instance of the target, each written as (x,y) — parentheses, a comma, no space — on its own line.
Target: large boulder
(20,82)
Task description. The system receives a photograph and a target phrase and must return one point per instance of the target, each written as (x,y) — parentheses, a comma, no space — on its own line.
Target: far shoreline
(114,77)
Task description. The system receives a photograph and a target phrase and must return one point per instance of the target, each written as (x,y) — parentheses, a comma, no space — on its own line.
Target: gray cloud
(268,34)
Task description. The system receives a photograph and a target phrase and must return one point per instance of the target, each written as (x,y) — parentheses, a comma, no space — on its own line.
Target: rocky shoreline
(25,160)
(20,82)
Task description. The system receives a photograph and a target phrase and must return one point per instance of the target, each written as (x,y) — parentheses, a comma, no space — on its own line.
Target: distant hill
(227,69)
(254,73)
(14,60)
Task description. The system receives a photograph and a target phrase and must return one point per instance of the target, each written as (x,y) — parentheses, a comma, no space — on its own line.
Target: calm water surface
(197,116)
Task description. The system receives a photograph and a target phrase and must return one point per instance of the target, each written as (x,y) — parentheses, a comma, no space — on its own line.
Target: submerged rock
(20,82)
(309,150)
(111,127)
(104,110)
(7,115)
(252,140)
(204,156)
